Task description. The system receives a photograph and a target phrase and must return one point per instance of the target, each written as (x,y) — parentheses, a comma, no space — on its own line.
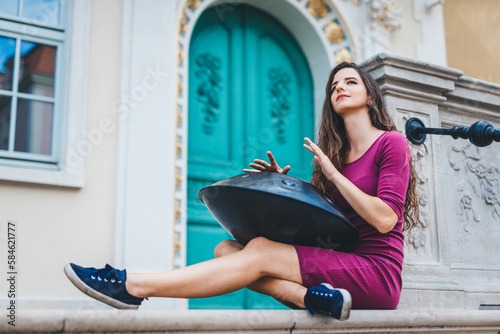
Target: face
(348,92)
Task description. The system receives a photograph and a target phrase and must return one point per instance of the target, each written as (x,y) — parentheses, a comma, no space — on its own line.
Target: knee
(227,247)
(258,245)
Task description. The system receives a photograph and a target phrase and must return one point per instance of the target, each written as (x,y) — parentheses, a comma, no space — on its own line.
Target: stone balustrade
(452,259)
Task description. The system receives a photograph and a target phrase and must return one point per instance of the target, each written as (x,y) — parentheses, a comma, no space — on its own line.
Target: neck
(360,130)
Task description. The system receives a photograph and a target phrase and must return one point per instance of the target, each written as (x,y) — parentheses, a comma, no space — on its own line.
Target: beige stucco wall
(57,225)
(473,37)
(404,39)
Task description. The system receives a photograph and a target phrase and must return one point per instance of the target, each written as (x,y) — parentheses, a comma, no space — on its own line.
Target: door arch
(250,90)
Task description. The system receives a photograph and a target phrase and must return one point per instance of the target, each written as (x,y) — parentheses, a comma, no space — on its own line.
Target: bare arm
(371,208)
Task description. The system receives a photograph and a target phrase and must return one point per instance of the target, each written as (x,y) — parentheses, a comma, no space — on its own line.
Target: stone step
(252,321)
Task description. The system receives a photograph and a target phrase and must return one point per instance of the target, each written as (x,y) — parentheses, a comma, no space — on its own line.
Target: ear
(370,102)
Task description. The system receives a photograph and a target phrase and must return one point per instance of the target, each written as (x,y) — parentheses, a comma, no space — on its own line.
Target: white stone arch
(318,27)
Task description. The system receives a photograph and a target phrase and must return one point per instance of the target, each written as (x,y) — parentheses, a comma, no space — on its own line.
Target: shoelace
(106,274)
(323,302)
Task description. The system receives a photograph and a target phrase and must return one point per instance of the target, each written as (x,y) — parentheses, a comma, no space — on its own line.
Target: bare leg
(279,289)
(260,258)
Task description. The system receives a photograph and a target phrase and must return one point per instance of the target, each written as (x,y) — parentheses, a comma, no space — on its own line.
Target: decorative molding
(180,55)
(177,210)
(180,86)
(178,178)
(193,4)
(177,245)
(178,147)
(177,214)
(343,55)
(183,23)
(179,116)
(385,14)
(334,32)
(317,8)
(280,105)
(418,236)
(209,89)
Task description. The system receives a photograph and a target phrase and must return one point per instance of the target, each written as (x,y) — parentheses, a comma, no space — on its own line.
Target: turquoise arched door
(250,90)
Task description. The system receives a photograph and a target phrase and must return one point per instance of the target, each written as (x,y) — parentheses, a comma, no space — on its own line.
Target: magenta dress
(370,267)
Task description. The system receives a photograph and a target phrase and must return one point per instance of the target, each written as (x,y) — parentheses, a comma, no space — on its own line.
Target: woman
(365,167)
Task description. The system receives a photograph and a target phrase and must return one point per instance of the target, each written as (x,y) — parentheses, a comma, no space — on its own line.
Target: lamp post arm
(480,133)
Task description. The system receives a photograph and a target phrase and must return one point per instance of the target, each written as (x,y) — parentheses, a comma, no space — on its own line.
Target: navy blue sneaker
(325,299)
(106,285)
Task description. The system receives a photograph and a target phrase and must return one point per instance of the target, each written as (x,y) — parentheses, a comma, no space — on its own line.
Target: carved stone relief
(386,14)
(418,236)
(383,13)
(481,184)
(421,241)
(474,203)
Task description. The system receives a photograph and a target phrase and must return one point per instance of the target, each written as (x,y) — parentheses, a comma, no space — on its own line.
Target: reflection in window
(37,68)
(7,51)
(9,7)
(5,103)
(36,76)
(31,36)
(44,12)
(33,127)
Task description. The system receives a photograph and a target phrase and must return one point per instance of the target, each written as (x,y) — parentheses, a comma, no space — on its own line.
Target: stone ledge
(252,321)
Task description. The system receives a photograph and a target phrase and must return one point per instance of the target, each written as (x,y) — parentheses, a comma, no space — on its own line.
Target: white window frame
(66,168)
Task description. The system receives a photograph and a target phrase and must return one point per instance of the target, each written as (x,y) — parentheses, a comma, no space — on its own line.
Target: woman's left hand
(326,165)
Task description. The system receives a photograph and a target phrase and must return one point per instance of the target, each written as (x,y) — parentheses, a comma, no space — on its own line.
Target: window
(31,44)
(43,87)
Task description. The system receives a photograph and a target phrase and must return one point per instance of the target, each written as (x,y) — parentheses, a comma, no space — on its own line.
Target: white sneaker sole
(346,307)
(73,277)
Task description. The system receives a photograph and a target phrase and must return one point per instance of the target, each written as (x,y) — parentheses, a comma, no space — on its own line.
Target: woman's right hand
(264,166)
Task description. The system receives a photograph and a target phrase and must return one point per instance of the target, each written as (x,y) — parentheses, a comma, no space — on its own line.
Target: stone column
(452,257)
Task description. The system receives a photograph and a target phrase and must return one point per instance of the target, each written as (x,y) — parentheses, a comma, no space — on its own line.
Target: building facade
(115,113)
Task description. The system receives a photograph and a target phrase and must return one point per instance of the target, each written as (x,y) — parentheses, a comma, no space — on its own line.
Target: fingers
(311,143)
(264,166)
(246,170)
(313,148)
(260,162)
(271,158)
(309,148)
(259,167)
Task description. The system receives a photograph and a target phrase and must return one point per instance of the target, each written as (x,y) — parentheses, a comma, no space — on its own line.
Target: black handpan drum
(279,207)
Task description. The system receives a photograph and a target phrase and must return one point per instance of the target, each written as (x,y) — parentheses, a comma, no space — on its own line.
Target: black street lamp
(480,133)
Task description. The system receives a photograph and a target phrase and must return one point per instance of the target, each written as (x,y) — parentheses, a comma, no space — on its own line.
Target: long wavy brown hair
(332,139)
